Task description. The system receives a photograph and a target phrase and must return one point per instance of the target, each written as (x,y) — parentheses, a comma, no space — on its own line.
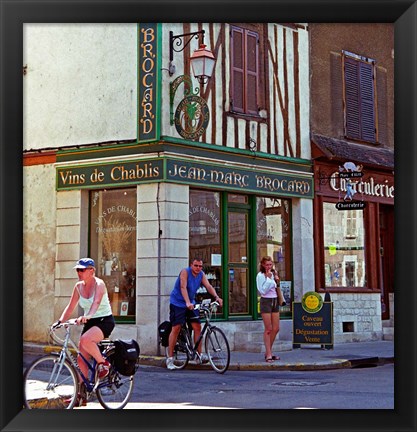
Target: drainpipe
(159,267)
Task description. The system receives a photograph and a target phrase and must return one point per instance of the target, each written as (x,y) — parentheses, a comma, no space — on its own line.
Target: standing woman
(90,293)
(267,281)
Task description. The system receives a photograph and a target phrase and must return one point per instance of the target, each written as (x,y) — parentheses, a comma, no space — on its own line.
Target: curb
(333,364)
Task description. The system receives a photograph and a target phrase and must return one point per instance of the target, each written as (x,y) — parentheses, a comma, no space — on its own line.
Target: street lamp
(202,60)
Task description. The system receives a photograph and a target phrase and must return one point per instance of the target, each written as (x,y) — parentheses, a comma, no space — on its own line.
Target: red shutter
(252,66)
(237,69)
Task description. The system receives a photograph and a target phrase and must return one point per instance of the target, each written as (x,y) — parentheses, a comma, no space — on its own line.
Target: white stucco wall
(80,84)
(39,243)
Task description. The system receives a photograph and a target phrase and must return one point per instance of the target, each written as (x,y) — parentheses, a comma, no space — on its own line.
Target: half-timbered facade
(129,160)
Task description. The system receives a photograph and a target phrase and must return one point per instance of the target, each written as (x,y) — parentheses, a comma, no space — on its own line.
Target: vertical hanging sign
(148,82)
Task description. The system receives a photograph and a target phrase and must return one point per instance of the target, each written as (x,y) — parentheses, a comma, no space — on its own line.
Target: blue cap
(85,263)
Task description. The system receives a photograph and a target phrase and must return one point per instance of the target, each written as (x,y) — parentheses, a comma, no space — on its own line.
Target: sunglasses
(197,265)
(82,270)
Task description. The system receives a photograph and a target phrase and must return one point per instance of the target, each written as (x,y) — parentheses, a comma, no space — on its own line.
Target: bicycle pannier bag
(164,331)
(126,356)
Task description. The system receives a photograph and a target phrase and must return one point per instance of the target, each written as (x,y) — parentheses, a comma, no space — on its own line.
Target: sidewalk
(308,357)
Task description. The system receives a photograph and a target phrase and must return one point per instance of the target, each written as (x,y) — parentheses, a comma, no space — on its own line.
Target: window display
(274,240)
(344,247)
(205,232)
(113,246)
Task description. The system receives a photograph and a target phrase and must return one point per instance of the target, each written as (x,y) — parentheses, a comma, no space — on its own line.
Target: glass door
(238,282)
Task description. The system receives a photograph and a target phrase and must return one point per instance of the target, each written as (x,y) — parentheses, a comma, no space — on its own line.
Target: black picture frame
(13,15)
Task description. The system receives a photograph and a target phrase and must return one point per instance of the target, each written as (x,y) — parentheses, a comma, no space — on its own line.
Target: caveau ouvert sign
(130,172)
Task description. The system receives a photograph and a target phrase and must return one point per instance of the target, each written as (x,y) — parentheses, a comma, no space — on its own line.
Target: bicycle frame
(65,353)
(193,349)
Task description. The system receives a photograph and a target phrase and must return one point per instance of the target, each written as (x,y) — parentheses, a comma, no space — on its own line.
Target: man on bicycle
(181,307)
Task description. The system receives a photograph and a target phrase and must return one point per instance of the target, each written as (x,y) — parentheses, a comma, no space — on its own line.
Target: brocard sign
(148,85)
(122,173)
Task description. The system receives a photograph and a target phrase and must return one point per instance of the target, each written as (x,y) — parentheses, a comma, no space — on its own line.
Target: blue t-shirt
(193,284)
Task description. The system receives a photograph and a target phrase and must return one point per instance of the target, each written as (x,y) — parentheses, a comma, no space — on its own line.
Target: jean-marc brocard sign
(312,321)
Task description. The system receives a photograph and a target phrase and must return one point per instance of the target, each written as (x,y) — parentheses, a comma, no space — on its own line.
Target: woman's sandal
(269,359)
(275,357)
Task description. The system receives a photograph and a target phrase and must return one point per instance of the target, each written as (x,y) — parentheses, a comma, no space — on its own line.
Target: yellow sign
(312,302)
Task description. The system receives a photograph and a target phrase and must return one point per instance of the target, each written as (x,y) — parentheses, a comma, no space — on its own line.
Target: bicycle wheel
(49,384)
(115,390)
(181,356)
(217,349)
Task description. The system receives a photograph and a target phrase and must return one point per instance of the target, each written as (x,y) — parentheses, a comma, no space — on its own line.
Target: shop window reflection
(344,247)
(274,240)
(204,237)
(113,246)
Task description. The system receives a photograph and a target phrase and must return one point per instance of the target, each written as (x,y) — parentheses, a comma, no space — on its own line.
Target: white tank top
(104,308)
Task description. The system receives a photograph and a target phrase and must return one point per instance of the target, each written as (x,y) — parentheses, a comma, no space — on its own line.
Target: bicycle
(51,381)
(216,344)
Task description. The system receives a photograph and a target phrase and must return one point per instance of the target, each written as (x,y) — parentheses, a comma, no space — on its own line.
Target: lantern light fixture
(202,60)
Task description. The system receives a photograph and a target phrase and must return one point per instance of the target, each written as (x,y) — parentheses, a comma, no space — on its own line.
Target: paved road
(359,388)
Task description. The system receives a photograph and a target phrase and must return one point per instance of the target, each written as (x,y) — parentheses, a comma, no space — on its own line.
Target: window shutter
(359,98)
(237,69)
(367,101)
(252,65)
(352,99)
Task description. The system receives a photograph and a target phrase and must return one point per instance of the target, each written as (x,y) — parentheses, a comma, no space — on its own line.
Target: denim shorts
(269,305)
(178,315)
(105,324)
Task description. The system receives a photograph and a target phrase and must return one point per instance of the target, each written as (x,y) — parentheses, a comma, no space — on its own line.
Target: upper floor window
(359,95)
(247,92)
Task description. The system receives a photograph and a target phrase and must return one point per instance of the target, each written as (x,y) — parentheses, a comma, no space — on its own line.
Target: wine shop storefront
(142,212)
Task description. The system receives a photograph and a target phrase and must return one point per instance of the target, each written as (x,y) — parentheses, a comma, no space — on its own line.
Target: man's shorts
(178,315)
(269,305)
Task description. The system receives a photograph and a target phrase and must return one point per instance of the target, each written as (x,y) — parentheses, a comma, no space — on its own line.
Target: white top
(104,308)
(266,286)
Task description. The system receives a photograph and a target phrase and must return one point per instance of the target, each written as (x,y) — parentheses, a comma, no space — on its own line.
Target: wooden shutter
(359,100)
(252,66)
(366,75)
(244,71)
(237,69)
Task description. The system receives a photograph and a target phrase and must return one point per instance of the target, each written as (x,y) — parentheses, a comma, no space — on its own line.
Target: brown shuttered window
(359,84)
(244,71)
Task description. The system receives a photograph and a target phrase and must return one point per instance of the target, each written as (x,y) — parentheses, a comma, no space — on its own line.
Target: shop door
(238,271)
(386,254)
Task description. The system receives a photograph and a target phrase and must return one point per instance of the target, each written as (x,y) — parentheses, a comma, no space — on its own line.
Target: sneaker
(170,363)
(102,370)
(204,358)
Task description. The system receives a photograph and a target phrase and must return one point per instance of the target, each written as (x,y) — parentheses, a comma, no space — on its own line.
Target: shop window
(344,255)
(247,89)
(359,92)
(113,246)
(274,240)
(204,237)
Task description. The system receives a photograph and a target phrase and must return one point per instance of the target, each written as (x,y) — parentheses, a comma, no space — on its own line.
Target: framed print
(14,16)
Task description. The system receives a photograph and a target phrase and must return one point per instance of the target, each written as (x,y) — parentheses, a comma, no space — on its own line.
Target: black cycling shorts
(105,324)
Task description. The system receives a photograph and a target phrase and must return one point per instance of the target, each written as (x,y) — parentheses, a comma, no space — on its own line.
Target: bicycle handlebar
(60,324)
